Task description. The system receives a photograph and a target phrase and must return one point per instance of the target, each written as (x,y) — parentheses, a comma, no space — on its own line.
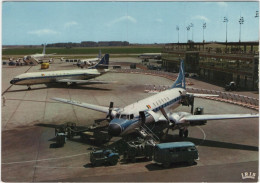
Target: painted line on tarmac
(48,159)
(204,135)
(59,167)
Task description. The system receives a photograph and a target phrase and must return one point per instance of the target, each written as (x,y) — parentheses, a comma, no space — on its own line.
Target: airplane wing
(218,117)
(84,81)
(85,105)
(202,95)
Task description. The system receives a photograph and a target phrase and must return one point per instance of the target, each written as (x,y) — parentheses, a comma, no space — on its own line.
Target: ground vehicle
(138,149)
(198,111)
(231,86)
(167,153)
(45,65)
(133,66)
(60,139)
(100,157)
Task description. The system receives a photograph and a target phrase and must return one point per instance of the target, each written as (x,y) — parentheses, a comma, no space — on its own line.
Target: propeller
(111,105)
(191,101)
(170,124)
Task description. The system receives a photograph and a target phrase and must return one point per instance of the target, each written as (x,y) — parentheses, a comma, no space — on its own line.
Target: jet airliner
(156,108)
(36,57)
(69,77)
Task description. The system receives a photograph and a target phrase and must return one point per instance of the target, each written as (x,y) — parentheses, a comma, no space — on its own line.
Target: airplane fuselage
(127,120)
(54,76)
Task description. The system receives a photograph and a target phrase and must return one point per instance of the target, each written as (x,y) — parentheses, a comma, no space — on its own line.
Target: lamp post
(188,28)
(204,27)
(177,28)
(191,25)
(241,21)
(226,21)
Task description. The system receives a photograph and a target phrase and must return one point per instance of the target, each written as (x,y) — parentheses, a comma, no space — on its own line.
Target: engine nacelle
(177,117)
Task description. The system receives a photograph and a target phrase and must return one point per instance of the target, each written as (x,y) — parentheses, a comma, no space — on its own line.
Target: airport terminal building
(218,63)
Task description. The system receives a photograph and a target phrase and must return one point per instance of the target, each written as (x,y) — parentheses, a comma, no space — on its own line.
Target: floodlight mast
(188,28)
(204,27)
(191,25)
(226,21)
(177,28)
(241,21)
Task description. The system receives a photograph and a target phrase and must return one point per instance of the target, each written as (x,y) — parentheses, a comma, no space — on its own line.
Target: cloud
(159,20)
(69,24)
(222,4)
(122,19)
(200,17)
(43,32)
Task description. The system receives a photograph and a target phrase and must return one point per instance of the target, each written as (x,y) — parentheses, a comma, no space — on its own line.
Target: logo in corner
(248,175)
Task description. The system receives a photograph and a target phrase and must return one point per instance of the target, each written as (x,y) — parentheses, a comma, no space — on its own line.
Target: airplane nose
(12,82)
(114,130)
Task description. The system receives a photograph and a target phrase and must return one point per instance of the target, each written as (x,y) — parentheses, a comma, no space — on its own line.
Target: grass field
(84,50)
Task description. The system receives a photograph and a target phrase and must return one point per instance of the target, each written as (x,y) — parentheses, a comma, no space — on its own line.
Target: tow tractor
(107,157)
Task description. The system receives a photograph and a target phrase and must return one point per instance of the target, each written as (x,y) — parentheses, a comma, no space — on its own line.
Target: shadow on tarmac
(62,86)
(155,166)
(211,143)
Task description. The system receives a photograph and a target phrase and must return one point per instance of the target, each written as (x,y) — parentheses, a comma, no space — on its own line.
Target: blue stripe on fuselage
(56,76)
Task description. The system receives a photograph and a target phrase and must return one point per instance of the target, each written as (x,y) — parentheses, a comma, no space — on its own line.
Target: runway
(226,148)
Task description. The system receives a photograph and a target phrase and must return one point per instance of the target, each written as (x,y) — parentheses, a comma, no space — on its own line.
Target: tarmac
(227,148)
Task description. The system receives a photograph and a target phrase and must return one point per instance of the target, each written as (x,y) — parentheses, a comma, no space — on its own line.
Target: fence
(227,97)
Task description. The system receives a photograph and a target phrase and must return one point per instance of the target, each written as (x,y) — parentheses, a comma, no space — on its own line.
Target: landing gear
(183,133)
(29,87)
(186,133)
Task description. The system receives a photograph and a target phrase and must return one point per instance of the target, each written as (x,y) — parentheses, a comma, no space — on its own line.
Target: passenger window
(123,116)
(117,115)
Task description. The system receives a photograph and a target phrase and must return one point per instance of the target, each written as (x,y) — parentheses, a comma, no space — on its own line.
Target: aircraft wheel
(29,88)
(186,133)
(181,133)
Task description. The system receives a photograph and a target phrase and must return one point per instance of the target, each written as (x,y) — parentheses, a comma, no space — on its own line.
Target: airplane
(70,77)
(36,57)
(155,109)
(150,56)
(89,61)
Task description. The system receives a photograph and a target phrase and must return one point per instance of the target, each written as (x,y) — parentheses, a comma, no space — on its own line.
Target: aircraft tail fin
(180,81)
(103,63)
(43,51)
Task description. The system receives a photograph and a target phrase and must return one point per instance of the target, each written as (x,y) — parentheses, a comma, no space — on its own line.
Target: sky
(35,23)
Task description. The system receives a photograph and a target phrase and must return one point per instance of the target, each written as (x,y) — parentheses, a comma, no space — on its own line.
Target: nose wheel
(183,133)
(29,87)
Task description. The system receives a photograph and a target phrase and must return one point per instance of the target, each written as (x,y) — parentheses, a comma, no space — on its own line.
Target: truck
(103,157)
(172,152)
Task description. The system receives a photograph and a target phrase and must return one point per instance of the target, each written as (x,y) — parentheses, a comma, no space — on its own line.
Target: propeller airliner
(157,108)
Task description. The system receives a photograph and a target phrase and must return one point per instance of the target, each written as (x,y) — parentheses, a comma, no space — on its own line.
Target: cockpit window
(117,115)
(131,116)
